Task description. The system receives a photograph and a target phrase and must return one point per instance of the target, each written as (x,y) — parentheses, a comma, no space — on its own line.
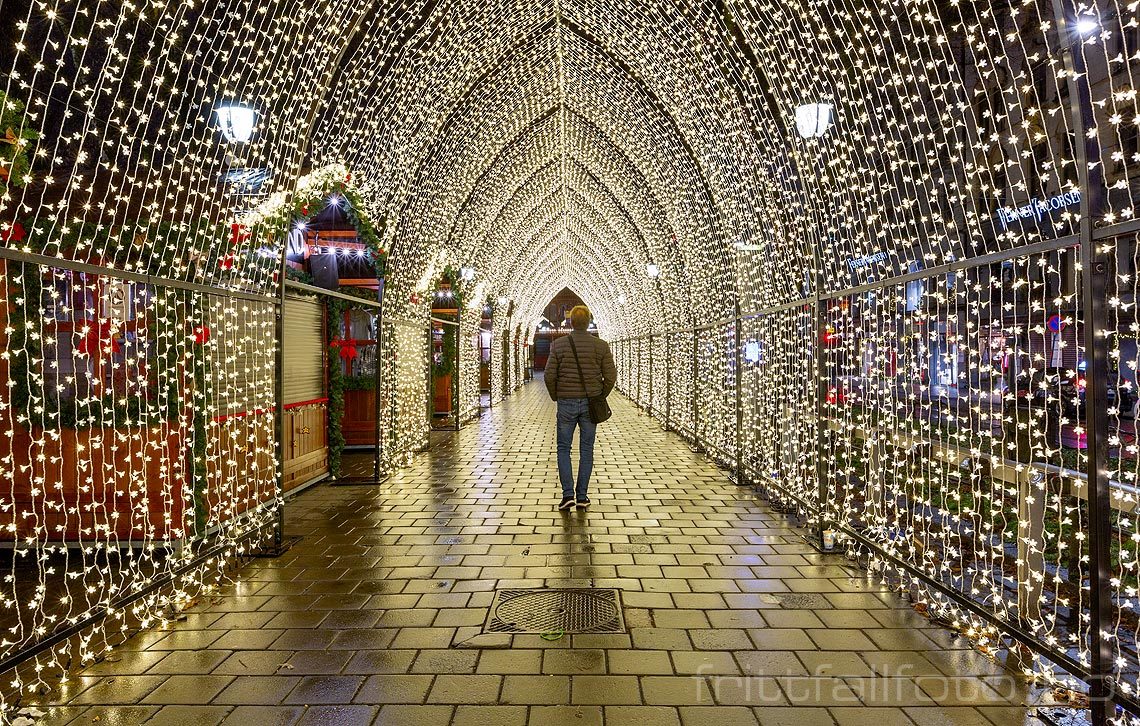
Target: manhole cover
(570,610)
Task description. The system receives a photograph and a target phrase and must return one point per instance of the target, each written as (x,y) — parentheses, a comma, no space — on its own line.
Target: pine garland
(15,167)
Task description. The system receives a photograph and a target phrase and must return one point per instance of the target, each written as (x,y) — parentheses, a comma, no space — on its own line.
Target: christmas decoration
(849,304)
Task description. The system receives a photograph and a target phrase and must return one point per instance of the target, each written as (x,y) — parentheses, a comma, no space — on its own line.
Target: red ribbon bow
(346,347)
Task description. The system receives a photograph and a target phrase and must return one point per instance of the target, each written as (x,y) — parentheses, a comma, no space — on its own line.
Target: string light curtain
(885,323)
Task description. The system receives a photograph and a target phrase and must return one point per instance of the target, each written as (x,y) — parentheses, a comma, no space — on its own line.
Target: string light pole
(1095,274)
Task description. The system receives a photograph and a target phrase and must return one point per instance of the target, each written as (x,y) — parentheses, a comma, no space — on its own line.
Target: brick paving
(375,616)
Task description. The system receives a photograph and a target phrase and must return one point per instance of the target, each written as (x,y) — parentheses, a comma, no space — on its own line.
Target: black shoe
(583,502)
(566,505)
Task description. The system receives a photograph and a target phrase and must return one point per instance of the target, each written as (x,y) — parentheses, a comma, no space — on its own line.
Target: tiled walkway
(374,616)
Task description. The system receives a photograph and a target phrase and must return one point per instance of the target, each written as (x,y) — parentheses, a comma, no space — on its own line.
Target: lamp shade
(236,121)
(813,119)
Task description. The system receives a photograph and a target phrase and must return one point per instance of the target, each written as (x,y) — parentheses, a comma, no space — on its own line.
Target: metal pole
(738,379)
(637,374)
(379,379)
(490,357)
(821,385)
(455,378)
(649,386)
(430,377)
(1094,296)
(695,392)
(668,381)
(820,372)
(279,409)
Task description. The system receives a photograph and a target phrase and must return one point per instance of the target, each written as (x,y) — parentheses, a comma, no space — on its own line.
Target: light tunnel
(876,258)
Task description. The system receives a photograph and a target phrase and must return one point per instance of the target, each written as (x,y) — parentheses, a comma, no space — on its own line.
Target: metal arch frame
(609,144)
(517,259)
(618,63)
(545,221)
(546,197)
(578,163)
(304,149)
(581,164)
(627,72)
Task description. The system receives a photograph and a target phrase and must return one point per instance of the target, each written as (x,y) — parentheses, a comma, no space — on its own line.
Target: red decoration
(201,334)
(239,233)
(227,262)
(304,210)
(15,233)
(347,347)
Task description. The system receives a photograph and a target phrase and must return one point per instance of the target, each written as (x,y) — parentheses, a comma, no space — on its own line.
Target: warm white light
(503,300)
(467,273)
(652,270)
(1086,26)
(237,122)
(621,299)
(813,119)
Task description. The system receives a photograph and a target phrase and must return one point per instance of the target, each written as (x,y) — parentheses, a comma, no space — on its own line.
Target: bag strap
(581,378)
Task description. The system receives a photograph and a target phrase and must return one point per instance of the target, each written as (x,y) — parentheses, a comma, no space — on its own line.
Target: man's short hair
(580,317)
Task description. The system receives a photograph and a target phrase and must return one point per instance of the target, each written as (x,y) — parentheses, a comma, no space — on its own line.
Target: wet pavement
(375,616)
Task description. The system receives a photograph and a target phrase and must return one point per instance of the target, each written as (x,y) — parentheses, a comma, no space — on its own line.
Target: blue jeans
(575,412)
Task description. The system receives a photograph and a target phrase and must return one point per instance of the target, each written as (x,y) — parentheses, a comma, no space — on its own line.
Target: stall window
(94,336)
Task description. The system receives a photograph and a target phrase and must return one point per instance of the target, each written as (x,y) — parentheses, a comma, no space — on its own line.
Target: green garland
(312,195)
(13,146)
(334,310)
(359,383)
(446,364)
(296,275)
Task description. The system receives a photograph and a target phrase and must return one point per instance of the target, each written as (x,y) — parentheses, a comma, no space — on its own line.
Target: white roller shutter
(240,355)
(304,349)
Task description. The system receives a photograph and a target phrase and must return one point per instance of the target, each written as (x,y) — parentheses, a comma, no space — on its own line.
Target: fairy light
(670,183)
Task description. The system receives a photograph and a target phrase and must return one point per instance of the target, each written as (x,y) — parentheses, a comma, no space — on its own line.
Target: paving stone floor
(375,616)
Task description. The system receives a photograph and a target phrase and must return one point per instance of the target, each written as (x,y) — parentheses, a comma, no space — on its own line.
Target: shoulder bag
(599,407)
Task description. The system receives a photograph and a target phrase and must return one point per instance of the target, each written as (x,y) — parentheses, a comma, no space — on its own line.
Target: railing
(942,424)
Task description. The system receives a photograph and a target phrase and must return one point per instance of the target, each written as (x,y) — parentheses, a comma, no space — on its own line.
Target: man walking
(573,390)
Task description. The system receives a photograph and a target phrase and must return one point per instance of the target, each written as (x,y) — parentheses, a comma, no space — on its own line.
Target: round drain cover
(571,611)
